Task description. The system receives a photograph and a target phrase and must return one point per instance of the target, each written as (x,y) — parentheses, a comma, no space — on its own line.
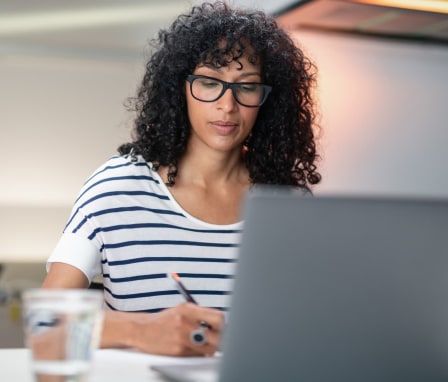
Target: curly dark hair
(281,148)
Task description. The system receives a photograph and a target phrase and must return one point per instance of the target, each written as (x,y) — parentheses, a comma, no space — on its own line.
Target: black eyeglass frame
(230,85)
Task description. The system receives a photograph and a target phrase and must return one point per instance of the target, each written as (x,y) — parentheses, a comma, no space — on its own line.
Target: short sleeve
(79,252)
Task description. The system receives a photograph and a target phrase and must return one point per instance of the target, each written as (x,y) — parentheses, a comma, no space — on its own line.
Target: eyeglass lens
(209,89)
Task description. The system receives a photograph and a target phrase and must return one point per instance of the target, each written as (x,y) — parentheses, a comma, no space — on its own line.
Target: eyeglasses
(209,89)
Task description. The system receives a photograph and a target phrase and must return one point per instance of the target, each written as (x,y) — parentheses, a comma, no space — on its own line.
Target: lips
(224,127)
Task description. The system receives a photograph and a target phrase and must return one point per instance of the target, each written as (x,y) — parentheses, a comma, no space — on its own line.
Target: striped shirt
(126,225)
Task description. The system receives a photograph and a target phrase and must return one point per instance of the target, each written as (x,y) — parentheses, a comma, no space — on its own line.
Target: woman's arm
(63,275)
(167,332)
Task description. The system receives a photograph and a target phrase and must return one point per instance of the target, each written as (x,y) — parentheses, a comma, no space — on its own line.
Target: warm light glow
(440,6)
(13,24)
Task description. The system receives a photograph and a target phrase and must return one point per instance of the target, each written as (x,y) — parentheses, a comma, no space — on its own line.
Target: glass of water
(62,329)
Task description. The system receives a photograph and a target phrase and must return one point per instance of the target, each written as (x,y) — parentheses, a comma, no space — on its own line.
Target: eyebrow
(242,74)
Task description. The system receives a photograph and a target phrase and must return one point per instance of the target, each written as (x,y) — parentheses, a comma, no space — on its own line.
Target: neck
(213,169)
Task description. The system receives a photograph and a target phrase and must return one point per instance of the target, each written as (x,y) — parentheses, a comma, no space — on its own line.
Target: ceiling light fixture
(437,6)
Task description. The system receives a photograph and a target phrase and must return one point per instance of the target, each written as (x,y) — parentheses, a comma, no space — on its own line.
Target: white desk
(110,365)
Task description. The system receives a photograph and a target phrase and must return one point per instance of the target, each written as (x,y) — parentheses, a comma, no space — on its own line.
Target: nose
(227,101)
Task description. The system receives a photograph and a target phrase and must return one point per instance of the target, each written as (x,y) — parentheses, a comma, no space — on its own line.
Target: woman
(225,104)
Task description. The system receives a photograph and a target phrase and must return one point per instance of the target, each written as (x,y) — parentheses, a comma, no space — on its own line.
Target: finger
(207,349)
(204,340)
(198,315)
(214,339)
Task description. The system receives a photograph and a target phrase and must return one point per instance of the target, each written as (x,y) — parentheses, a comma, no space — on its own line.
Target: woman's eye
(209,84)
(249,88)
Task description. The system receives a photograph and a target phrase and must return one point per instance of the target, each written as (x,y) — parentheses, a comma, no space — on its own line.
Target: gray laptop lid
(339,289)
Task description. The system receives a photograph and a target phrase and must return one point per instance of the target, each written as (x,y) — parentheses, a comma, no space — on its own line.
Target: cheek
(191,104)
(251,116)
(195,110)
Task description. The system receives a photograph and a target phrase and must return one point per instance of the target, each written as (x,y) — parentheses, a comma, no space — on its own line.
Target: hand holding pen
(199,335)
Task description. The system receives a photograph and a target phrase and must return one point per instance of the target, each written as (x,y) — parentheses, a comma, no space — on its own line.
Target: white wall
(384,114)
(60,118)
(385,128)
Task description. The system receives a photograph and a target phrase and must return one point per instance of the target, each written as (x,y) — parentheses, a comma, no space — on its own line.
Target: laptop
(338,288)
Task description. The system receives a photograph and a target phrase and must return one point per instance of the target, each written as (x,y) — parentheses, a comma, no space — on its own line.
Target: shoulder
(120,175)
(121,166)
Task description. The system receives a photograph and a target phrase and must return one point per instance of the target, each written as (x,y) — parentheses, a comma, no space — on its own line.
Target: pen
(186,294)
(182,289)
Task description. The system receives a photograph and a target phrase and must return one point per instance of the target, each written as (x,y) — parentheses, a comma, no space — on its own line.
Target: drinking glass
(62,330)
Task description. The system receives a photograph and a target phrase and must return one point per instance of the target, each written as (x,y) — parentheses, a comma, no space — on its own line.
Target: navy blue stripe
(205,276)
(142,294)
(115,193)
(165,293)
(157,310)
(199,292)
(219,308)
(117,178)
(149,310)
(180,259)
(124,209)
(134,208)
(114,167)
(110,306)
(166,242)
(155,225)
(163,275)
(134,278)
